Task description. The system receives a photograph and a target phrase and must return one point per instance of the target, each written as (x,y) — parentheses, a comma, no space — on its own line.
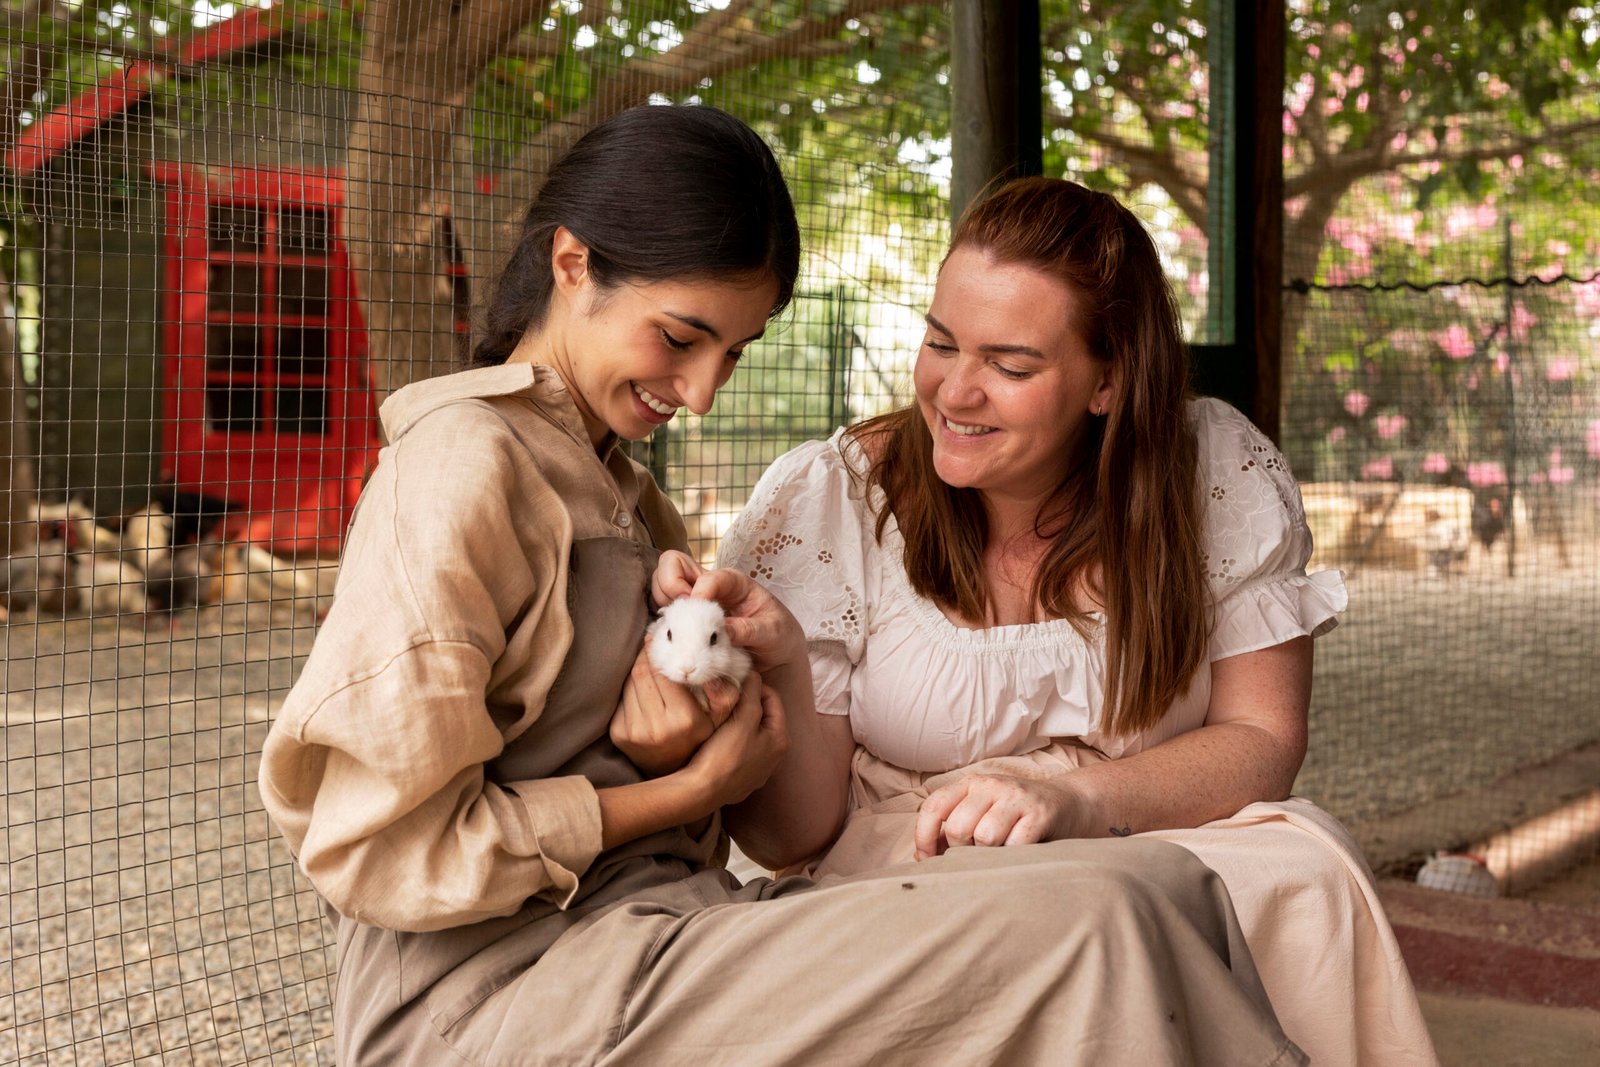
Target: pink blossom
(1356,402)
(1592,439)
(1487,216)
(1472,380)
(1561,370)
(1587,303)
(1389,426)
(1456,342)
(1523,320)
(1336,434)
(1537,477)
(1490,472)
(1502,362)
(1560,475)
(1378,469)
(1435,463)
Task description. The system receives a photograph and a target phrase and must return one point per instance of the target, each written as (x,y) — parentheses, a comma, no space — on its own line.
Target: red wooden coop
(267,400)
(262,360)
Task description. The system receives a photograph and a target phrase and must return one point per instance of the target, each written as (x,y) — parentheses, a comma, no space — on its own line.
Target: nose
(701,380)
(960,387)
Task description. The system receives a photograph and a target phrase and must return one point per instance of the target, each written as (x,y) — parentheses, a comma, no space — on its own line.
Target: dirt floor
(152,916)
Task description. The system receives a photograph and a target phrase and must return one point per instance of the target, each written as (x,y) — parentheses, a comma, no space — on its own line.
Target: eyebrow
(705,327)
(1003,349)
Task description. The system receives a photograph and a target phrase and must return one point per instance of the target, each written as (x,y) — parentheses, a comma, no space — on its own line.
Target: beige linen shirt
(448,628)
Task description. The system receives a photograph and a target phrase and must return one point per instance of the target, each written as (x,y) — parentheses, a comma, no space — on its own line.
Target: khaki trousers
(1074,952)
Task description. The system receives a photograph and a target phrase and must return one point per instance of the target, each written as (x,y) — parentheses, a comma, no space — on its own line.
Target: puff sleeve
(1255,541)
(807,535)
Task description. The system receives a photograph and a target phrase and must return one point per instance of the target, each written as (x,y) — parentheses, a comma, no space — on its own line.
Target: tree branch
(1350,167)
(1161,166)
(681,68)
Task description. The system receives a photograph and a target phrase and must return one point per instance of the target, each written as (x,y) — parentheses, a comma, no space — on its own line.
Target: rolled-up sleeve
(374,768)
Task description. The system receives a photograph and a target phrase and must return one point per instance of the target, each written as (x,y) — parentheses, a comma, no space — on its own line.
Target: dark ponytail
(657,193)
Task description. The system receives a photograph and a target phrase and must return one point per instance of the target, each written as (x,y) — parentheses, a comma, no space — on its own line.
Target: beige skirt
(1304,897)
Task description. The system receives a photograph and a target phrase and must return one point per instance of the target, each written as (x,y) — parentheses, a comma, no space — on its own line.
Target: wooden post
(996,95)
(1260,60)
(1241,357)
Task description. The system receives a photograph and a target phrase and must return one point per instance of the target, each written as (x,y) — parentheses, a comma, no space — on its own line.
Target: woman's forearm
(1192,779)
(1250,749)
(800,809)
(629,812)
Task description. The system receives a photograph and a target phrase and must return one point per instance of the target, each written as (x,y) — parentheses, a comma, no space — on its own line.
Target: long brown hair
(1128,502)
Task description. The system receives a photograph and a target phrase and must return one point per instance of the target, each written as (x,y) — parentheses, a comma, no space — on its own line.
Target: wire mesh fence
(1441,413)
(232,230)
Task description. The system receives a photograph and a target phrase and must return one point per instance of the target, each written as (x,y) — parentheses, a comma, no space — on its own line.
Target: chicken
(107,585)
(1489,514)
(146,536)
(38,580)
(181,578)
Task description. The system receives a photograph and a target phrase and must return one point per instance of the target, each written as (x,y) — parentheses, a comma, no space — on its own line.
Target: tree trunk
(18,485)
(406,168)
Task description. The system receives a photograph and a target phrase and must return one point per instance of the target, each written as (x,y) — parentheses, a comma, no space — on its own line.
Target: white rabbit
(689,645)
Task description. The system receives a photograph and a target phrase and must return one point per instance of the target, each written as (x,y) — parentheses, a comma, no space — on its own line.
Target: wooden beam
(996,95)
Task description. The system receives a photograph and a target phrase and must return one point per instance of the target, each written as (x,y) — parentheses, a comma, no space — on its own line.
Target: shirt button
(624,521)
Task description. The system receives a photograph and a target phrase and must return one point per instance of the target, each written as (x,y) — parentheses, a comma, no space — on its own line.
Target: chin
(952,475)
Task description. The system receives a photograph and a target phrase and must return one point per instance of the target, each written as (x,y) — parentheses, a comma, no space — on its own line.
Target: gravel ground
(153,917)
(1430,686)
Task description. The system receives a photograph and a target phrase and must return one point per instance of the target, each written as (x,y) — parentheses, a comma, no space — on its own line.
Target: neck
(1011,517)
(542,349)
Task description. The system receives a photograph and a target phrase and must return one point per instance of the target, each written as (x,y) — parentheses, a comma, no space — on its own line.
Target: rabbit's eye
(669,635)
(713,639)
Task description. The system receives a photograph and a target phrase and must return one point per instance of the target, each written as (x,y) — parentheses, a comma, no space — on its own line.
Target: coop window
(268,270)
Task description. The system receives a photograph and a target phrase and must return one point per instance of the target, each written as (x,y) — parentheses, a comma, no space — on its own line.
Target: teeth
(660,407)
(967,431)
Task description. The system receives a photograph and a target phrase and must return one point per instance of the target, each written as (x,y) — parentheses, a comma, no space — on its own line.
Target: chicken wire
(1443,416)
(232,229)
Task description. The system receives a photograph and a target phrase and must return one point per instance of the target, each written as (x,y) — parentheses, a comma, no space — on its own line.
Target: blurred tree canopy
(461,106)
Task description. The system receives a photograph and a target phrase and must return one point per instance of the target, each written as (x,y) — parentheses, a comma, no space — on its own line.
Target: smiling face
(1004,380)
(633,355)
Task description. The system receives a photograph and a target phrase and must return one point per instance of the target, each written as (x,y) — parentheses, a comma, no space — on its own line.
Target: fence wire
(230,230)
(1442,412)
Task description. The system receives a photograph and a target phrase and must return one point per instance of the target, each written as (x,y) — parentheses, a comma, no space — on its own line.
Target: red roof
(121,90)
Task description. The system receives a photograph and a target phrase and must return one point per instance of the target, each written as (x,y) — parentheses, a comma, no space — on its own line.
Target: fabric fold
(1276,610)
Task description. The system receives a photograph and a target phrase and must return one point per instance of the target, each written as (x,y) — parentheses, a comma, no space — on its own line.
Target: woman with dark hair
(1056,599)
(469,768)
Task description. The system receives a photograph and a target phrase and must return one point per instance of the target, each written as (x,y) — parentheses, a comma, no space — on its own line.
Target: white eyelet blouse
(928,695)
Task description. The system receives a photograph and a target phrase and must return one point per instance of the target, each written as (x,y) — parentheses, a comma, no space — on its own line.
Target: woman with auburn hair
(1059,599)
